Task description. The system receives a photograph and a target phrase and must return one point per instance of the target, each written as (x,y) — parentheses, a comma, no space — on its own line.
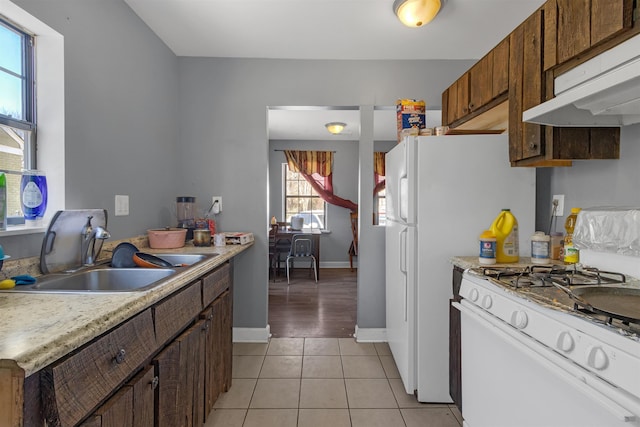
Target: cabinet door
(532,92)
(500,68)
(481,82)
(452,104)
(143,387)
(116,412)
(583,24)
(462,101)
(226,345)
(525,88)
(445,107)
(609,18)
(573,28)
(177,367)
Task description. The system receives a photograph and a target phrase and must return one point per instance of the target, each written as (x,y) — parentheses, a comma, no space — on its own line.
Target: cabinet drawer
(175,312)
(215,283)
(76,385)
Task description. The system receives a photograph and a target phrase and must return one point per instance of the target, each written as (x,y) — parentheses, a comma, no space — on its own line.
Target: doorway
(328,309)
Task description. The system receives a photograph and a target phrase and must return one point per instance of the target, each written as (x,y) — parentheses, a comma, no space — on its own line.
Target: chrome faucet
(89,234)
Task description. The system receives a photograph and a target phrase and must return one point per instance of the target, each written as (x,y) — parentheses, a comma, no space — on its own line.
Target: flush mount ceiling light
(335,128)
(416,13)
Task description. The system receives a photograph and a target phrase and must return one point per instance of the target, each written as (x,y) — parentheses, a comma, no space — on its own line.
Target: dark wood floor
(306,310)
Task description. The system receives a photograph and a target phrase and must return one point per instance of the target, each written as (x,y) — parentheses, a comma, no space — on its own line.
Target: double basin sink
(109,279)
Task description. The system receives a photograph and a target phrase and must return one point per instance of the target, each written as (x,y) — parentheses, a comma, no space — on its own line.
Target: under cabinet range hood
(604,91)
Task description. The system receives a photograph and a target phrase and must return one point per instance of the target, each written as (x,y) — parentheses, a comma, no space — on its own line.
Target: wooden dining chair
(273,251)
(353,249)
(278,247)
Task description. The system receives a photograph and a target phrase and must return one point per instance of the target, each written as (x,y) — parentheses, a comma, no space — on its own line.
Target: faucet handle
(87,228)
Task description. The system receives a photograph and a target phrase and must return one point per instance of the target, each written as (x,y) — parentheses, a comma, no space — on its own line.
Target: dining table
(287,233)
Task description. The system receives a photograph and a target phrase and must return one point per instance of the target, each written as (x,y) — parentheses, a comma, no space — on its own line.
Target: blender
(185,211)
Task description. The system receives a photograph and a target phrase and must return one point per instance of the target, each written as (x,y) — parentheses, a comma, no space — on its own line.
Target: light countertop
(465,262)
(39,328)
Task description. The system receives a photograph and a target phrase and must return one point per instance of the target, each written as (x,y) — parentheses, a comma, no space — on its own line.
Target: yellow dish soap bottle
(505,228)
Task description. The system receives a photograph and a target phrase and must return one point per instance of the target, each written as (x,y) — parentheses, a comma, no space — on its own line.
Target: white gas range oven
(552,346)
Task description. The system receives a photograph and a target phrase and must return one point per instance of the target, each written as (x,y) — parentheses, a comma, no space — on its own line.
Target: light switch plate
(122,205)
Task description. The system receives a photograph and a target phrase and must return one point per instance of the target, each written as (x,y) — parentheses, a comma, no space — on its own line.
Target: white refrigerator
(442,192)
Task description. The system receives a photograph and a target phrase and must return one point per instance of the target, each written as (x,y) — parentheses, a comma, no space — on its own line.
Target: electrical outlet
(122,205)
(216,203)
(560,208)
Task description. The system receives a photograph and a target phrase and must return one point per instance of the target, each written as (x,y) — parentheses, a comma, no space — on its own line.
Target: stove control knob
(519,319)
(474,295)
(487,302)
(565,342)
(597,358)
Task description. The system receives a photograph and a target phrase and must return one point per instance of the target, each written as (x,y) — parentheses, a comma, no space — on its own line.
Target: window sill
(16,230)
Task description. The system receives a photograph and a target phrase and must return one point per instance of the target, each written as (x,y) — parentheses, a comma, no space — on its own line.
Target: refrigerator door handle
(403,268)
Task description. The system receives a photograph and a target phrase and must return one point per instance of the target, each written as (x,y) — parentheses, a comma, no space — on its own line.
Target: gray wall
(225,151)
(121,116)
(590,183)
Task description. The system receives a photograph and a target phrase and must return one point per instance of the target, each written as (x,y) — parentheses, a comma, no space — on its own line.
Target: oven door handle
(582,380)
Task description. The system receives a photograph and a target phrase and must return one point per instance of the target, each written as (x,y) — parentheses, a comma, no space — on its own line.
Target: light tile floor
(317,382)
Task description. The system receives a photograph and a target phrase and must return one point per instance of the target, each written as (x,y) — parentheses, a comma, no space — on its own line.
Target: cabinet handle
(471,107)
(120,356)
(533,145)
(154,383)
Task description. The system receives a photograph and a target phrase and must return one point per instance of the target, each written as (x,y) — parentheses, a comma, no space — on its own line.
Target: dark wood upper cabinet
(574,27)
(519,73)
(500,71)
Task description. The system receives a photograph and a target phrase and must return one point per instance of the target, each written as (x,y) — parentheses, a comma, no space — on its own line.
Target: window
(17,111)
(46,58)
(302,200)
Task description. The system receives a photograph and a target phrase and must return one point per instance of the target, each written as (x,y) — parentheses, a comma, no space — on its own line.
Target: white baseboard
(370,334)
(251,334)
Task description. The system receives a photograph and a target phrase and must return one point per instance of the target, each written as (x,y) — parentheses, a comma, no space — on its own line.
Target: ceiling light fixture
(335,128)
(416,13)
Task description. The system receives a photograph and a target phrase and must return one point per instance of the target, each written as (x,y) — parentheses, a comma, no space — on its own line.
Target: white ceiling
(295,123)
(328,29)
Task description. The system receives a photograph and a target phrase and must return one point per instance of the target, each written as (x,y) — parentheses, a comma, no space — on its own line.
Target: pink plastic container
(167,238)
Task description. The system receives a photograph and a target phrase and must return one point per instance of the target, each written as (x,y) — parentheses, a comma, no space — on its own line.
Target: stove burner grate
(542,276)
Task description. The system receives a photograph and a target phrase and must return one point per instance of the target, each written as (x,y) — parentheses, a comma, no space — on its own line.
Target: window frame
(285,169)
(48,54)
(27,124)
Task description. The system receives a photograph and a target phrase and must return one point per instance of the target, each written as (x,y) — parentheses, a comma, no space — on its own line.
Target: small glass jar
(556,246)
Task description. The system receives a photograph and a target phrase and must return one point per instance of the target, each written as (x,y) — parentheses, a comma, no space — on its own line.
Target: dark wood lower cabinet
(131,406)
(110,382)
(116,412)
(143,386)
(455,343)
(179,372)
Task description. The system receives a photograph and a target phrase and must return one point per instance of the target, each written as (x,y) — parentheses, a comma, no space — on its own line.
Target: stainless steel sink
(184,259)
(101,280)
(104,279)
